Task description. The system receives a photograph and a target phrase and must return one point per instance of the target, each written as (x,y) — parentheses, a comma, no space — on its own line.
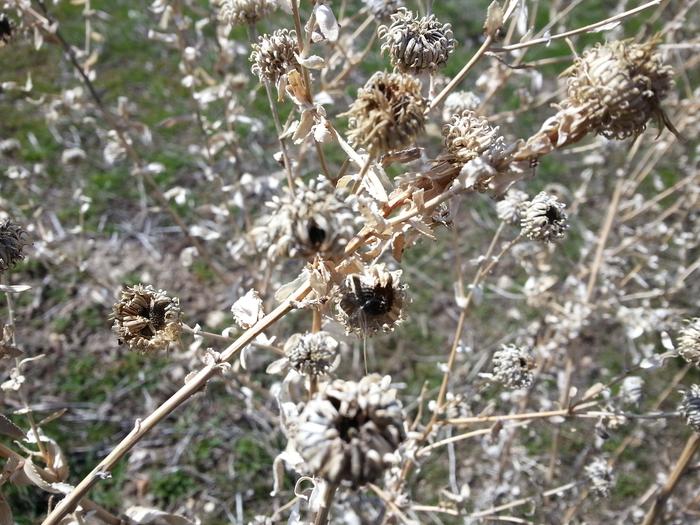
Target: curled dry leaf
(327,22)
(8,428)
(248,310)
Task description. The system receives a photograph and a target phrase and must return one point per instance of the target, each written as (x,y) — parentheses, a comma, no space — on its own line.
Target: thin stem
(283,144)
(322,515)
(691,447)
(460,76)
(585,29)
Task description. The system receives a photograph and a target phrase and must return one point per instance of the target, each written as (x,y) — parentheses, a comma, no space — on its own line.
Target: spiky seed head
(146,319)
(622,85)
(510,209)
(274,56)
(245,12)
(349,432)
(468,136)
(512,366)
(372,301)
(689,341)
(13,239)
(544,218)
(383,9)
(313,354)
(416,44)
(690,407)
(388,113)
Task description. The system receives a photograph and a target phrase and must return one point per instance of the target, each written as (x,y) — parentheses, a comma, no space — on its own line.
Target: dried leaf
(311,62)
(327,22)
(36,475)
(151,516)
(9,351)
(8,428)
(14,288)
(248,310)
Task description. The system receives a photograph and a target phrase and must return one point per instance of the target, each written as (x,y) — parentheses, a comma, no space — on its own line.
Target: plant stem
(322,515)
(691,447)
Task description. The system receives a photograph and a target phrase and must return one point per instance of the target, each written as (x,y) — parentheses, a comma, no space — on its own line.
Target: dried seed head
(313,354)
(146,319)
(349,432)
(383,9)
(622,84)
(245,12)
(544,218)
(468,136)
(458,102)
(12,243)
(600,475)
(511,208)
(690,407)
(274,56)
(512,366)
(416,44)
(689,341)
(371,301)
(314,219)
(388,113)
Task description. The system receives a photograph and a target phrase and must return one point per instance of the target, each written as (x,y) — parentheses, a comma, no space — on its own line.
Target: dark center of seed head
(316,234)
(552,214)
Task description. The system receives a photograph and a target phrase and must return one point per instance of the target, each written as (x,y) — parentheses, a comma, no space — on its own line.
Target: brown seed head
(544,218)
(388,113)
(468,136)
(622,84)
(146,319)
(416,44)
(371,301)
(12,243)
(313,354)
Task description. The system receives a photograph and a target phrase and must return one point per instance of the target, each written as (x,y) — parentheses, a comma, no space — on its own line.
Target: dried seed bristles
(690,407)
(512,366)
(312,354)
(245,12)
(274,56)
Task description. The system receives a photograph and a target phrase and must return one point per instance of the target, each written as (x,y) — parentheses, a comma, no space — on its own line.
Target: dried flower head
(387,114)
(312,354)
(416,44)
(12,243)
(146,319)
(689,341)
(690,407)
(544,218)
(371,301)
(349,432)
(383,9)
(274,56)
(510,209)
(468,136)
(622,83)
(245,12)
(314,219)
(600,475)
(512,366)
(458,102)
